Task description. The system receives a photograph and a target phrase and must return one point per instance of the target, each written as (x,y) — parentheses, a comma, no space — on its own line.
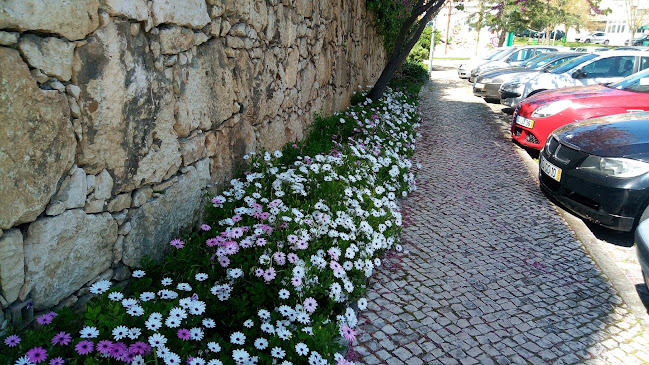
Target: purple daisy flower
(37,355)
(12,341)
(61,338)
(84,347)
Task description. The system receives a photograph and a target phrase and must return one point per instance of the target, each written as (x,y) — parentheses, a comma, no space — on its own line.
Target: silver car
(589,69)
(464,70)
(514,58)
(488,84)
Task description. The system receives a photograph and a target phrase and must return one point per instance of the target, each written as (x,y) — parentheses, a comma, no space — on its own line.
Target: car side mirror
(579,74)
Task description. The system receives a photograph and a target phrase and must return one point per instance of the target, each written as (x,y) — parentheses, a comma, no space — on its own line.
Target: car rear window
(572,63)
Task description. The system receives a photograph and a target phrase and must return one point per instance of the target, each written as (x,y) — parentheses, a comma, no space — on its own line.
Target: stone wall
(117,115)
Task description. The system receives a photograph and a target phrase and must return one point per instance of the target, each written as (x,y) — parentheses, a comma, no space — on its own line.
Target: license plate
(525,122)
(550,170)
(478,85)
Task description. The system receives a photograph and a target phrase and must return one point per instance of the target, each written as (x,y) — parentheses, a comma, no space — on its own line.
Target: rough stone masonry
(117,115)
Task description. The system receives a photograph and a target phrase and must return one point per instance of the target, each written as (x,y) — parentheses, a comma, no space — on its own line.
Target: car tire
(606,41)
(587,41)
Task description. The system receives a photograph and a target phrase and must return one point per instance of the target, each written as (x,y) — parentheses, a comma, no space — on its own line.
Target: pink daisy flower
(139,348)
(37,355)
(177,243)
(56,361)
(104,346)
(269,274)
(184,334)
(310,304)
(61,338)
(205,227)
(84,347)
(296,281)
(12,341)
(212,242)
(349,333)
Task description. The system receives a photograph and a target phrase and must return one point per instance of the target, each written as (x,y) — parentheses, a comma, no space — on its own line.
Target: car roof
(620,53)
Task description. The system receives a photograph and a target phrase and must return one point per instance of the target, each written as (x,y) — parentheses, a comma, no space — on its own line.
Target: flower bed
(270,276)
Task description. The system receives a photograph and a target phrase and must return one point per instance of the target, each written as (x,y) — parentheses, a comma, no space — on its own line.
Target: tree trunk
(501,37)
(405,41)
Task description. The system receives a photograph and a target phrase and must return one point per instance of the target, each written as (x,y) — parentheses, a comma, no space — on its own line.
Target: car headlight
(486,80)
(511,87)
(614,166)
(551,109)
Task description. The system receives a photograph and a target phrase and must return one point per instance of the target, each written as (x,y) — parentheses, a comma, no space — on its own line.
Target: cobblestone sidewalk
(490,273)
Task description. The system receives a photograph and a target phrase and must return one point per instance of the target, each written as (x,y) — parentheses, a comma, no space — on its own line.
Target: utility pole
(432,45)
(448,25)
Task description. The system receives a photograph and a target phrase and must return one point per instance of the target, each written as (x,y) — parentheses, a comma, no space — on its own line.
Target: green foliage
(421,50)
(389,16)
(411,76)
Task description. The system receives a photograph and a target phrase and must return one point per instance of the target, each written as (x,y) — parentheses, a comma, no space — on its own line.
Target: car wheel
(587,41)
(606,41)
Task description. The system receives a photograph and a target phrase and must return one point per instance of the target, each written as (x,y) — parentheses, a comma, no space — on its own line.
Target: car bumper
(511,102)
(607,202)
(642,249)
(488,91)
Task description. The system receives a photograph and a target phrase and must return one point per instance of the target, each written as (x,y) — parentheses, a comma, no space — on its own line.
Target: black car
(642,249)
(599,169)
(639,41)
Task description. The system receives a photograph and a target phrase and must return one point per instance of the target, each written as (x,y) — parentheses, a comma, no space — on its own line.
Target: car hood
(619,135)
(573,93)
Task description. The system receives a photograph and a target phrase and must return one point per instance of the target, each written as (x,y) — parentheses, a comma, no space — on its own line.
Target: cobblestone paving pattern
(490,274)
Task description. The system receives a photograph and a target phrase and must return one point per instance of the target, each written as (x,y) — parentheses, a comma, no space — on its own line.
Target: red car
(540,114)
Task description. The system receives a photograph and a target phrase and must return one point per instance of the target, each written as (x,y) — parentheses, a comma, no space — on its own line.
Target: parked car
(595,37)
(589,69)
(632,48)
(487,84)
(464,70)
(638,41)
(557,34)
(642,249)
(529,33)
(514,58)
(539,115)
(589,49)
(599,169)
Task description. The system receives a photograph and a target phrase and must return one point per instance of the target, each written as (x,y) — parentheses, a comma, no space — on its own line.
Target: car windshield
(566,66)
(491,56)
(638,82)
(550,64)
(506,52)
(538,60)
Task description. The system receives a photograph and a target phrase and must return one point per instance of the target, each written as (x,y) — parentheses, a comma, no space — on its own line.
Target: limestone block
(192,149)
(121,202)
(55,208)
(291,67)
(304,8)
(210,144)
(94,206)
(12,264)
(251,12)
(175,40)
(241,42)
(40,77)
(51,55)
(140,196)
(72,90)
(127,111)
(63,253)
(8,38)
(156,223)
(71,19)
(132,9)
(38,143)
(90,183)
(72,192)
(200,38)
(188,13)
(103,185)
